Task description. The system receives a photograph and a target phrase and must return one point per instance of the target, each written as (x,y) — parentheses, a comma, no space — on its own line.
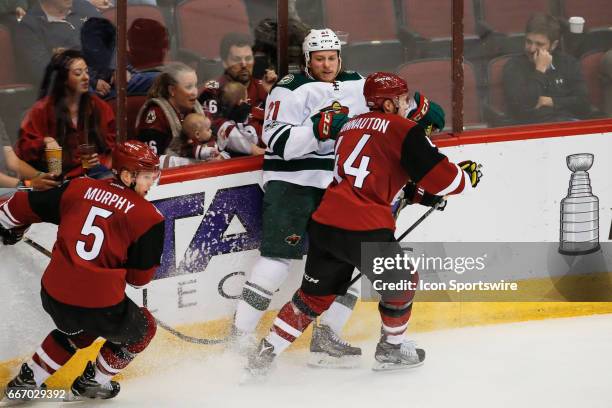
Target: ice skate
(241,342)
(397,356)
(86,386)
(22,381)
(260,363)
(327,349)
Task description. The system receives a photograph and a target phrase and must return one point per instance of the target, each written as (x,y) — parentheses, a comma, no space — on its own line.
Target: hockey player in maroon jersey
(108,235)
(376,154)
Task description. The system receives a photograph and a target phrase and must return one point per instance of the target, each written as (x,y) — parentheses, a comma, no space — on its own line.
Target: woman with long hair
(172,96)
(66,115)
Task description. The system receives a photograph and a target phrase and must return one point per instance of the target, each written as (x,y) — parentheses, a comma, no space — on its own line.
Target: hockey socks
(295,317)
(394,316)
(339,312)
(115,357)
(55,351)
(267,276)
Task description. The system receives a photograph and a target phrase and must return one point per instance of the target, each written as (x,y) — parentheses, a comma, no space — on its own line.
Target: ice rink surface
(551,363)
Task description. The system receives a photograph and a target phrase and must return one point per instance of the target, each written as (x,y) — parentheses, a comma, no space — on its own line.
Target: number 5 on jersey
(360,173)
(89,228)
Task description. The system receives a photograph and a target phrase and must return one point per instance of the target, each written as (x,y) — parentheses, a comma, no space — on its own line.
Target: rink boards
(214,228)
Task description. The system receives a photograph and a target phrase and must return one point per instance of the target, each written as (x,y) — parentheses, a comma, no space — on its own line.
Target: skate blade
(71,397)
(323,360)
(253,377)
(379,366)
(241,349)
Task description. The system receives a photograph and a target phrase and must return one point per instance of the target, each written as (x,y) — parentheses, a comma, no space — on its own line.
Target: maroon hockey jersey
(107,236)
(376,155)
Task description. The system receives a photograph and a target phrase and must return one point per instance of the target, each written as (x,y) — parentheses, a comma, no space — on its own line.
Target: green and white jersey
(294,154)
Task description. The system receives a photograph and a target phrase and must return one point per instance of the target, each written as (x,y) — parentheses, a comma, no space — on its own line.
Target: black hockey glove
(473,171)
(13,235)
(413,194)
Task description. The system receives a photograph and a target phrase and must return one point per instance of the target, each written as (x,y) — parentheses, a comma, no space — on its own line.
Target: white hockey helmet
(320,40)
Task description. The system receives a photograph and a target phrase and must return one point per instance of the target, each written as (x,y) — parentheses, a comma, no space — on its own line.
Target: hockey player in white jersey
(297,168)
(304,112)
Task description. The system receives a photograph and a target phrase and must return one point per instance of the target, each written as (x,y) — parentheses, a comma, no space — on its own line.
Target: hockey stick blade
(187,338)
(178,334)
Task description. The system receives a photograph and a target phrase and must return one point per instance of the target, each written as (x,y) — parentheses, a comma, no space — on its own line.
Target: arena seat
(591,66)
(429,25)
(597,27)
(201,24)
(15,96)
(495,105)
(133,105)
(597,13)
(373,43)
(432,77)
(504,22)
(134,12)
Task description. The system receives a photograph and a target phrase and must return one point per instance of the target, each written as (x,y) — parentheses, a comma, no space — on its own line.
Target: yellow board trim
(165,349)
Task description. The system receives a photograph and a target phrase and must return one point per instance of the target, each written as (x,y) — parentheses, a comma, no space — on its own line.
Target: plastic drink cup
(576,24)
(85,151)
(54,160)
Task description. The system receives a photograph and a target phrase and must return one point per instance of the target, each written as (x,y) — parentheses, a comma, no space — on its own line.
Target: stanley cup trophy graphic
(579,232)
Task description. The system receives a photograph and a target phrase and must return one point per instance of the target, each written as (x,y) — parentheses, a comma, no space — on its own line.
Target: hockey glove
(13,235)
(473,171)
(326,125)
(428,114)
(414,194)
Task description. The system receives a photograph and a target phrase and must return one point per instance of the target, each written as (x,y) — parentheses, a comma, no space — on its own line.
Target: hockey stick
(37,247)
(163,325)
(178,334)
(420,220)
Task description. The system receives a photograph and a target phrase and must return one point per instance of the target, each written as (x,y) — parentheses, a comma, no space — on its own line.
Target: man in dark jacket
(50,26)
(543,84)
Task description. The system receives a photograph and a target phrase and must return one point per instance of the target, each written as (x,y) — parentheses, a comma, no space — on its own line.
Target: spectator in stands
(15,173)
(101,4)
(48,27)
(238,132)
(147,61)
(98,40)
(67,115)
(106,4)
(544,84)
(238,61)
(606,82)
(12,11)
(172,96)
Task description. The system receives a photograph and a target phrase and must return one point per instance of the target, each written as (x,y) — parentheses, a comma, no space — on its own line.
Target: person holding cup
(544,84)
(65,117)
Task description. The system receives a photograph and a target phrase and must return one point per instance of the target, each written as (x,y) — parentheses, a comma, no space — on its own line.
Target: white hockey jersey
(294,154)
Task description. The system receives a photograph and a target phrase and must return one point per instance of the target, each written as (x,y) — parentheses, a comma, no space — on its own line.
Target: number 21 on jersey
(360,173)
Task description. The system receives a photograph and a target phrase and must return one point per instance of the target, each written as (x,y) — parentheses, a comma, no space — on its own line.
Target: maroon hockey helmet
(383,85)
(134,155)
